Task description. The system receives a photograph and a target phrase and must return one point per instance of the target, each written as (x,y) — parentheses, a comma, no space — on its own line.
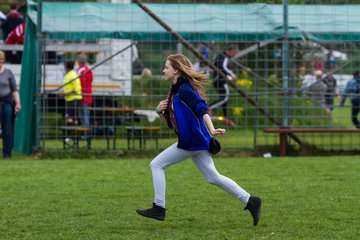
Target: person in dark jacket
(13,18)
(222,61)
(352,91)
(12,34)
(185,111)
(331,88)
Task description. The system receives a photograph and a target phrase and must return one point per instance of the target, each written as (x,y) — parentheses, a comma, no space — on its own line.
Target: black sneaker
(156,212)
(254,206)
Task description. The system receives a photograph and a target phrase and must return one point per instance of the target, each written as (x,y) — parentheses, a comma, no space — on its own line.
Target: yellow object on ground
(238,111)
(244,83)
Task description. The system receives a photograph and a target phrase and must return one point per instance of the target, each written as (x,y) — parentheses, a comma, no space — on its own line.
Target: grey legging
(204,163)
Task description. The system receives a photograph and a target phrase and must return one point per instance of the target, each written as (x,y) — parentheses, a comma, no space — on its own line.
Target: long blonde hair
(184,65)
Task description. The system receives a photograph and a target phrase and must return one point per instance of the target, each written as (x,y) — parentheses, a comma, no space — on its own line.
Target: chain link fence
(127,71)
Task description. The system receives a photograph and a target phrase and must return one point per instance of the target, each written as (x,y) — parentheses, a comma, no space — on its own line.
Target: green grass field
(303,198)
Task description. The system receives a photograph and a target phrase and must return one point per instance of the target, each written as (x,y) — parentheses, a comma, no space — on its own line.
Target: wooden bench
(142,133)
(284,132)
(73,134)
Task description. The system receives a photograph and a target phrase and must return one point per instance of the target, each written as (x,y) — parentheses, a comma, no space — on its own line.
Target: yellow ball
(220,118)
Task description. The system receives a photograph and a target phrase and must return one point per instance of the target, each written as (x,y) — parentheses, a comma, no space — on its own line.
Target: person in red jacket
(12,20)
(86,78)
(16,36)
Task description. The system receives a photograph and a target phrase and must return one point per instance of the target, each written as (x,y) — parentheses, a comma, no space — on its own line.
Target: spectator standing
(16,36)
(13,33)
(9,105)
(352,91)
(138,67)
(185,111)
(13,18)
(317,91)
(331,61)
(86,78)
(72,92)
(332,90)
(201,65)
(222,61)
(318,64)
(59,54)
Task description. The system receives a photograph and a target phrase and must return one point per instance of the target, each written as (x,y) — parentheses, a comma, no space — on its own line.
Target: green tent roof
(199,22)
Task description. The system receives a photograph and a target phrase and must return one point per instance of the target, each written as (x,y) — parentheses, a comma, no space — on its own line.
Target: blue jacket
(191,130)
(351,91)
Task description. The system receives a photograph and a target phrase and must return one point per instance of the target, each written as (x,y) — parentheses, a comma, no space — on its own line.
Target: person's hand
(218,131)
(162,106)
(17,108)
